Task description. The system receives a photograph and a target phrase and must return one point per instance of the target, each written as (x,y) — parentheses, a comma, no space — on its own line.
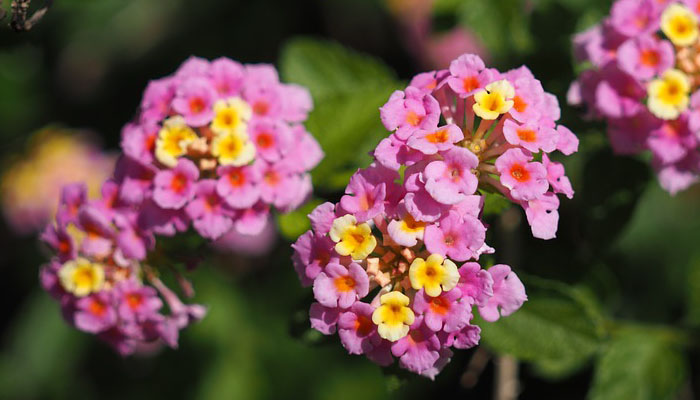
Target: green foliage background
(614,300)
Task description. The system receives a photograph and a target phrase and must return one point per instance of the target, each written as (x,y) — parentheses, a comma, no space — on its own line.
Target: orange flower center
(178,183)
(261,107)
(439,305)
(650,58)
(519,172)
(196,105)
(344,283)
(470,83)
(134,300)
(271,178)
(63,246)
(363,325)
(413,119)
(519,104)
(527,135)
(265,140)
(236,178)
(97,308)
(440,136)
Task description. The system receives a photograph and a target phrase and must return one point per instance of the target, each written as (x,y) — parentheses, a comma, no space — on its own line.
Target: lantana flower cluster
(101,277)
(218,144)
(643,80)
(214,146)
(383,262)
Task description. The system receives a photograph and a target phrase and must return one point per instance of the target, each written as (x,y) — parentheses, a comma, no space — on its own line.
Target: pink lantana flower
(508,294)
(415,212)
(194,100)
(95,313)
(457,237)
(451,179)
(238,185)
(526,180)
(210,214)
(357,332)
(433,140)
(469,74)
(338,286)
(444,311)
(419,350)
(175,187)
(645,57)
(531,136)
(409,110)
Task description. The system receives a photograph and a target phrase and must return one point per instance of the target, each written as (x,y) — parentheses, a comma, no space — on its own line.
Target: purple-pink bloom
(312,252)
(99,233)
(227,77)
(644,57)
(531,136)
(271,138)
(323,319)
(194,100)
(430,141)
(356,330)
(363,199)
(457,237)
(338,286)
(635,17)
(136,301)
(542,215)
(451,179)
(155,105)
(508,294)
(410,110)
(444,312)
(210,214)
(173,188)
(556,176)
(469,74)
(419,350)
(95,313)
(526,180)
(238,185)
(475,283)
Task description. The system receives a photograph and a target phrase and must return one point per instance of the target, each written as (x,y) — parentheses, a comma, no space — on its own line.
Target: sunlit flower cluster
(101,277)
(643,79)
(218,144)
(33,180)
(393,265)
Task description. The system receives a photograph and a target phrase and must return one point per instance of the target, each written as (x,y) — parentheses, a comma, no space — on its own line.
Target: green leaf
(327,68)
(556,329)
(348,89)
(294,224)
(501,25)
(693,290)
(638,365)
(495,204)
(41,352)
(348,127)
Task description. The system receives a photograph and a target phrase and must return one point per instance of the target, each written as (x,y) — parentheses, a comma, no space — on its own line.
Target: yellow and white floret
(435,275)
(669,95)
(352,239)
(495,99)
(393,317)
(173,139)
(81,276)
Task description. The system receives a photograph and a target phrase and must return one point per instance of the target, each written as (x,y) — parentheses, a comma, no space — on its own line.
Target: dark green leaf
(639,365)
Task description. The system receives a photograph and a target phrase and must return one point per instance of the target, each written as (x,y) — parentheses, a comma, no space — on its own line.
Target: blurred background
(614,300)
